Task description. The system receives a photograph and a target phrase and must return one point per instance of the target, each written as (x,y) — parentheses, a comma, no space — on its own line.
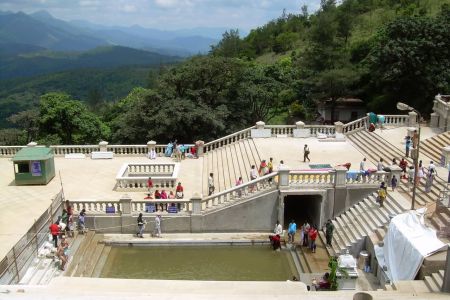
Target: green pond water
(237,263)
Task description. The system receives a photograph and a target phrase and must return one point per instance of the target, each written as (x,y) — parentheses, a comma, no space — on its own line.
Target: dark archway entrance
(302,208)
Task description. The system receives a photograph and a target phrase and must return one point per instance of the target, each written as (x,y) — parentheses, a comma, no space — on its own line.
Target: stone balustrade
(396,120)
(275,130)
(161,205)
(242,191)
(133,176)
(307,177)
(72,149)
(360,124)
(288,130)
(372,178)
(9,151)
(226,140)
(96,207)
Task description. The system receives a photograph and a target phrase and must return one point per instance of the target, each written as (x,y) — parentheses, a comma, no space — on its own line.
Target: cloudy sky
(165,14)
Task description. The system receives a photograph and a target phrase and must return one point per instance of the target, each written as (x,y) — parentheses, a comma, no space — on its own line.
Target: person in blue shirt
(291,231)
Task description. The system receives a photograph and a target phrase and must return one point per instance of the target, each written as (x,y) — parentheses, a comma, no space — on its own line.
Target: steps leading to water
(356,223)
(229,162)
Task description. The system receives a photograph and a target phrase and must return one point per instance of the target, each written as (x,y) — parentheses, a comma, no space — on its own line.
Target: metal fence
(15,264)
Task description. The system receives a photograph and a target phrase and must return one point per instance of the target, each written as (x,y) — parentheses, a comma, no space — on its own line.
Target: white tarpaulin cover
(407,242)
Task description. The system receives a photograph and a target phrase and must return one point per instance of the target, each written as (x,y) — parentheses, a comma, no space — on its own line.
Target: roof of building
(341,102)
(33,153)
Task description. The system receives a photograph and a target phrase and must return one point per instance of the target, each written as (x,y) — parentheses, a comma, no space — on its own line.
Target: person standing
(306,153)
(278,228)
(407,145)
(305,229)
(263,168)
(420,173)
(382,193)
(281,165)
(253,176)
(270,166)
(415,139)
(149,187)
(394,182)
(54,230)
(292,229)
(157,231)
(362,165)
(211,187)
(403,165)
(141,226)
(329,228)
(239,182)
(448,168)
(380,166)
(179,192)
(313,236)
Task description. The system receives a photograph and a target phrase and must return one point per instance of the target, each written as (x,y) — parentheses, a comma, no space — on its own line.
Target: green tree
(229,46)
(28,122)
(70,120)
(411,60)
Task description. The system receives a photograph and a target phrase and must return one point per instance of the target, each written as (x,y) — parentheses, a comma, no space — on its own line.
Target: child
(393,182)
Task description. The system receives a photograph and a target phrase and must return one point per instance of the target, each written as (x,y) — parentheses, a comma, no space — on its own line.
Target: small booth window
(23,167)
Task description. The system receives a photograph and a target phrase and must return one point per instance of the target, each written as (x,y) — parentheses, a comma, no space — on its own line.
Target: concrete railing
(396,120)
(72,149)
(275,130)
(288,130)
(134,176)
(242,191)
(226,140)
(96,207)
(9,151)
(376,177)
(357,125)
(307,177)
(161,205)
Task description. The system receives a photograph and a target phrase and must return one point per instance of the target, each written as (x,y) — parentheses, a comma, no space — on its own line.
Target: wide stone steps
(228,163)
(358,222)
(90,257)
(81,253)
(430,284)
(373,146)
(432,147)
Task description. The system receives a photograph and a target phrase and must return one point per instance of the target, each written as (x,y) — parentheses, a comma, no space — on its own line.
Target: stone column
(395,170)
(151,145)
(339,127)
(283,179)
(445,158)
(434,120)
(412,119)
(32,144)
(260,131)
(446,284)
(341,176)
(280,216)
(125,213)
(103,145)
(300,131)
(196,213)
(200,148)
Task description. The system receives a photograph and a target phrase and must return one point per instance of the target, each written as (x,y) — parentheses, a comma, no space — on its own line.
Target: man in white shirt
(278,228)
(432,168)
(210,184)
(361,165)
(281,166)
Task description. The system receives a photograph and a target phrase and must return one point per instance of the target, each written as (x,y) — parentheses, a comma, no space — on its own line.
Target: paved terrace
(86,179)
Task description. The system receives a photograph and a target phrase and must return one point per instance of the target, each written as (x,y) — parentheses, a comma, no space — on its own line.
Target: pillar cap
(103,143)
(260,123)
(152,142)
(125,197)
(338,123)
(299,123)
(32,144)
(199,143)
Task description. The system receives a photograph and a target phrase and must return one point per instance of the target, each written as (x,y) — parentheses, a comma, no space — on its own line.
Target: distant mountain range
(42,30)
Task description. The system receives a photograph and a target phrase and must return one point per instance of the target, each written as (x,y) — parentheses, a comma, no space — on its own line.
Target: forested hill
(381,51)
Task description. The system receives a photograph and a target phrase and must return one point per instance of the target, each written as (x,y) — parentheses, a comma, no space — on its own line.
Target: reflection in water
(241,263)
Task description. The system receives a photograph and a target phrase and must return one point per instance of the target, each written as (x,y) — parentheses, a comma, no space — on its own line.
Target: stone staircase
(228,163)
(374,146)
(431,147)
(89,257)
(430,284)
(363,218)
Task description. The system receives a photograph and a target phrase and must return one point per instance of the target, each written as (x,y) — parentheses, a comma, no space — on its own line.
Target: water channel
(236,263)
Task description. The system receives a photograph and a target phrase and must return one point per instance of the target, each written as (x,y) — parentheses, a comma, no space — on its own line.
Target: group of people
(309,235)
(141,226)
(62,229)
(180,151)
(179,192)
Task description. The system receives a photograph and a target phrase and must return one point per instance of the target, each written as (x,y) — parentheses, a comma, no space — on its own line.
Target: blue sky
(165,14)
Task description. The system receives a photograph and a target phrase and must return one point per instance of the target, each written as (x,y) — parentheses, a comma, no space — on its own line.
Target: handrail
(211,143)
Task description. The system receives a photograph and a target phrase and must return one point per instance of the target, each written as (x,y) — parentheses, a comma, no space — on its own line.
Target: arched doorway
(301,208)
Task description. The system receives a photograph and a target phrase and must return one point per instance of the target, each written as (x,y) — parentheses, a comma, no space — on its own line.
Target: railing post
(103,145)
(283,178)
(339,128)
(412,119)
(151,148)
(200,148)
(434,120)
(260,131)
(445,157)
(300,131)
(395,171)
(196,214)
(125,212)
(446,283)
(341,176)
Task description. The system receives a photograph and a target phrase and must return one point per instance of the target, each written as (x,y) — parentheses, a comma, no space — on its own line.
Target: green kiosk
(34,165)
